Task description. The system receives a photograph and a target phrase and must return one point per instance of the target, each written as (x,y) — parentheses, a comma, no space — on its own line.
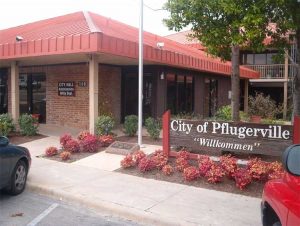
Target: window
(260,58)
(3,91)
(180,93)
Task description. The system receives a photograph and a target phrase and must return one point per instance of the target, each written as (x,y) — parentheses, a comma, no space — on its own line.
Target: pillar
(93,92)
(246,96)
(285,84)
(15,96)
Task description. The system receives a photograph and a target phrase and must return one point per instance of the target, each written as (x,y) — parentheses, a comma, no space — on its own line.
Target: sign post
(296,137)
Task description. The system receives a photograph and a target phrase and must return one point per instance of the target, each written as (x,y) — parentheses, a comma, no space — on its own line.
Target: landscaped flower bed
(225,174)
(73,149)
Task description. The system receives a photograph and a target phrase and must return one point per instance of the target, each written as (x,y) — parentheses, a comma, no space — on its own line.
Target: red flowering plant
(242,178)
(128,161)
(183,154)
(64,138)
(146,164)
(138,155)
(72,146)
(205,164)
(160,159)
(276,170)
(65,155)
(229,164)
(83,134)
(167,170)
(258,169)
(214,174)
(181,164)
(51,151)
(191,173)
(106,140)
(89,144)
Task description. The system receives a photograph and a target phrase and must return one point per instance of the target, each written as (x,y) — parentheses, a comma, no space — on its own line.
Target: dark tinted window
(294,160)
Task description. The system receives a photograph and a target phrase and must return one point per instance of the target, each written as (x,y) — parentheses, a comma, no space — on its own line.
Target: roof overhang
(116,48)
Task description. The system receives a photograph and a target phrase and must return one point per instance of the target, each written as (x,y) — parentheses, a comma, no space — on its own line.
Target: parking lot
(29,209)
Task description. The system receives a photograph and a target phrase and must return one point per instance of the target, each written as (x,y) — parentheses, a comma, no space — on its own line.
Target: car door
(5,166)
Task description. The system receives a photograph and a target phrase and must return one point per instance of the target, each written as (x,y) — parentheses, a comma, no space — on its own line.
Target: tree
(226,26)
(290,19)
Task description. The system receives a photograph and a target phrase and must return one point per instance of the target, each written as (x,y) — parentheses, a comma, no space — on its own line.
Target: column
(285,84)
(93,92)
(15,97)
(246,96)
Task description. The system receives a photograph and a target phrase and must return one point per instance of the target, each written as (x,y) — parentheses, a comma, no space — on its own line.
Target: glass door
(131,94)
(3,91)
(33,95)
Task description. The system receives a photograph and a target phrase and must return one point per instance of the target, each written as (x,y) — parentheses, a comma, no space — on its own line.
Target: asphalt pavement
(30,209)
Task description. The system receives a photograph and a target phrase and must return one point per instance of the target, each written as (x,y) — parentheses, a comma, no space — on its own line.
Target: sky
(18,12)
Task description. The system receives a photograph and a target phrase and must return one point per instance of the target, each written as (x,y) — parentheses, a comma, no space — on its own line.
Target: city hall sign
(230,136)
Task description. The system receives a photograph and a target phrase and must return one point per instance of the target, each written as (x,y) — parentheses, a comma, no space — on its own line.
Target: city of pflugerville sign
(230,136)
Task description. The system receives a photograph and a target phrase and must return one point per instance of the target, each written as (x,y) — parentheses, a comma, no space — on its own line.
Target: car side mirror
(291,159)
(4,141)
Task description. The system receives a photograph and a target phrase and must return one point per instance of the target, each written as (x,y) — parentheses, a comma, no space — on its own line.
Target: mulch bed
(146,140)
(254,189)
(74,156)
(17,138)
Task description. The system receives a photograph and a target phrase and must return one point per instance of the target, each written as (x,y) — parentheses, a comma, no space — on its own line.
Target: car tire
(18,178)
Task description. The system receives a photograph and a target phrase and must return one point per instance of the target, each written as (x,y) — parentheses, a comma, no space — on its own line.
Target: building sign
(66,89)
(249,138)
(82,84)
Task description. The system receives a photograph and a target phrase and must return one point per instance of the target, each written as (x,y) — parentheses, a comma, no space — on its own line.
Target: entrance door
(3,91)
(131,95)
(33,95)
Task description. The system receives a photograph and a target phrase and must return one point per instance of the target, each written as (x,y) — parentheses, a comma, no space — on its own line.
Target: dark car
(14,165)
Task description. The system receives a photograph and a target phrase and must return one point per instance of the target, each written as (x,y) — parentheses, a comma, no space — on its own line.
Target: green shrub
(28,125)
(131,125)
(153,127)
(104,125)
(263,106)
(6,125)
(224,113)
(189,116)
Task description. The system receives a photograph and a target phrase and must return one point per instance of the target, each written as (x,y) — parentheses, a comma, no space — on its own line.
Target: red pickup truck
(280,204)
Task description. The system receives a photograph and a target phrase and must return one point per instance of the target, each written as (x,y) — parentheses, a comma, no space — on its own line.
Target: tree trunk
(296,95)
(235,83)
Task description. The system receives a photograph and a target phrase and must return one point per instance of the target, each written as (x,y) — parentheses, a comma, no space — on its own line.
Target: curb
(125,212)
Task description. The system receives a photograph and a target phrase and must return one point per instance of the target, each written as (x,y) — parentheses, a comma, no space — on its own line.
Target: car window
(294,161)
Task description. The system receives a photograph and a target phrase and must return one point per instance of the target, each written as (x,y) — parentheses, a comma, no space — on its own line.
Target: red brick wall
(74,111)
(60,110)
(110,91)
(67,111)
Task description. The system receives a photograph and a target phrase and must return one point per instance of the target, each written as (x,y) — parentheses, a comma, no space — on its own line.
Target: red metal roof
(86,32)
(183,38)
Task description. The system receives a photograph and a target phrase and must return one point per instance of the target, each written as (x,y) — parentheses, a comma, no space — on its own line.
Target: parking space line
(40,217)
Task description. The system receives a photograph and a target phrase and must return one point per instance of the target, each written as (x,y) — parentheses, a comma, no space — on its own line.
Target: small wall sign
(82,84)
(66,89)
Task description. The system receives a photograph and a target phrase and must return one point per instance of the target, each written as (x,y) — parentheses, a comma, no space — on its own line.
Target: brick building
(72,68)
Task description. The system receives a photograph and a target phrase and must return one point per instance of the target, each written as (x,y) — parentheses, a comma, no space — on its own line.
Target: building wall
(67,111)
(62,110)
(110,91)
(74,111)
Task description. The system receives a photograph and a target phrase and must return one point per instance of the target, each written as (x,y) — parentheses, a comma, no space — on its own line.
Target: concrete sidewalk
(145,201)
